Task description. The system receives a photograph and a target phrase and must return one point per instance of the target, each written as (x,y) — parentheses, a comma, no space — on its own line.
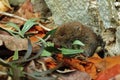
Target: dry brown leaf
(26,10)
(4,5)
(13,43)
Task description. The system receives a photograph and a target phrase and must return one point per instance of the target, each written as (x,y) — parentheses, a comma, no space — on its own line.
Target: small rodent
(69,32)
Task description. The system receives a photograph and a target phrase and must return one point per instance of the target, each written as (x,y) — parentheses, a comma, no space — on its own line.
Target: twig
(12,15)
(23,19)
(47,29)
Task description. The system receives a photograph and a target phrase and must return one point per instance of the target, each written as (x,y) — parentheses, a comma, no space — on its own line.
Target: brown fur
(69,32)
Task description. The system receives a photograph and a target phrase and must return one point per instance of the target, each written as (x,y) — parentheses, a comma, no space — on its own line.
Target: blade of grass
(42,41)
(29,50)
(50,33)
(78,42)
(15,56)
(70,51)
(46,53)
(8,31)
(12,33)
(14,26)
(28,25)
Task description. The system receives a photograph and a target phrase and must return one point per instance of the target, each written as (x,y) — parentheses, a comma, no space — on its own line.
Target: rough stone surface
(73,10)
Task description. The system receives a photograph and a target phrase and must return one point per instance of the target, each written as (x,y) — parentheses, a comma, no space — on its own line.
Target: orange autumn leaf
(92,65)
(39,28)
(90,68)
(70,62)
(109,73)
(74,63)
(102,64)
(107,62)
(50,63)
(95,66)
(35,37)
(38,31)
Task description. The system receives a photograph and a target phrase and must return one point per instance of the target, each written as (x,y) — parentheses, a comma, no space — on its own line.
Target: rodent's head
(62,37)
(66,34)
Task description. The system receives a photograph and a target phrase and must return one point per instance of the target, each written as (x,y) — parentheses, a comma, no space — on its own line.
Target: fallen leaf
(71,62)
(50,63)
(117,77)
(91,69)
(102,64)
(13,43)
(26,10)
(109,73)
(92,65)
(4,5)
(106,63)
(39,33)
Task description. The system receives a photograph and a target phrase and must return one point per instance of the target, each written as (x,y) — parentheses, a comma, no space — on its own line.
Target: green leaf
(50,33)
(50,44)
(28,25)
(14,26)
(15,56)
(12,33)
(46,53)
(18,32)
(70,51)
(78,42)
(43,41)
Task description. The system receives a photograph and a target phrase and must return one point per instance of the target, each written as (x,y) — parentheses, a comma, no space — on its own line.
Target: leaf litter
(56,67)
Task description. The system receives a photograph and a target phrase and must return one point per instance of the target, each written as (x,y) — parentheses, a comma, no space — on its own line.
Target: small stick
(21,18)
(12,15)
